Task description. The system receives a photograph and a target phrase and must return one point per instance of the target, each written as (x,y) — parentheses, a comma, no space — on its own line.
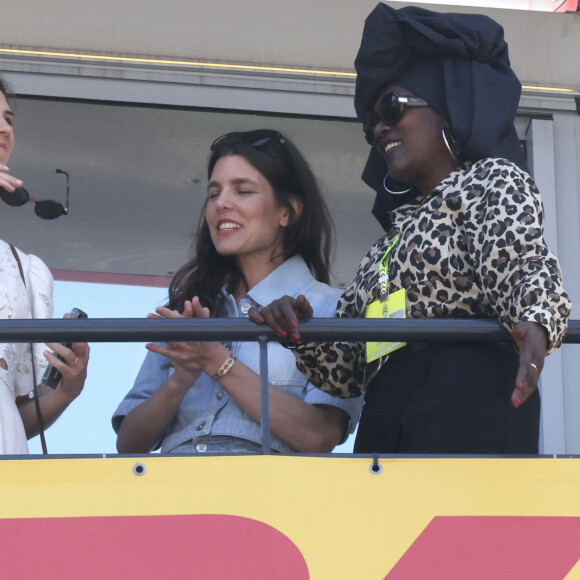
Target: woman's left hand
(188,358)
(532,342)
(73,368)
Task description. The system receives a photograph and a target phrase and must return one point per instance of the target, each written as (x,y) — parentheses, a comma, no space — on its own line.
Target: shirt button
(201,426)
(245,308)
(220,395)
(201,447)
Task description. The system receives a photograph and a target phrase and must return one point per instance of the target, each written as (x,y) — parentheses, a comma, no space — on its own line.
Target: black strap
(36,402)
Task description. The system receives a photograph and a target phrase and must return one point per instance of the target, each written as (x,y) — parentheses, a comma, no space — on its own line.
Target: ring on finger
(534,366)
(72,364)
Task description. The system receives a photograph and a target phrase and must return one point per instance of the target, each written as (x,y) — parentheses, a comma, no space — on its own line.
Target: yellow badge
(392,307)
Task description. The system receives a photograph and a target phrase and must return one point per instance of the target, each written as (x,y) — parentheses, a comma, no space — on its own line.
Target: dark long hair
(309,235)
(7,91)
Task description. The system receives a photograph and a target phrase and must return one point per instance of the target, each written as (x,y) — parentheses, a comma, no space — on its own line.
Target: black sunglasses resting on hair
(45,209)
(258,138)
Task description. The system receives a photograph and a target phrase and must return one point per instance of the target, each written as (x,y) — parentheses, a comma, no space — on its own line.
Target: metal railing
(227,329)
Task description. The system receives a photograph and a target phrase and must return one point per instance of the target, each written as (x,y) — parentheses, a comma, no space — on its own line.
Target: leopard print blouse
(474,247)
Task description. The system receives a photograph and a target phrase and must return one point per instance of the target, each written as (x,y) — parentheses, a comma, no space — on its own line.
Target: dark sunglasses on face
(389,112)
(45,209)
(259,138)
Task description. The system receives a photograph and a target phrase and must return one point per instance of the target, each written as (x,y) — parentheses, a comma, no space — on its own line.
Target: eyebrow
(238,181)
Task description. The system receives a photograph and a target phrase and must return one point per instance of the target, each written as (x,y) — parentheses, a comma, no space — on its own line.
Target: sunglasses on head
(45,209)
(389,112)
(258,138)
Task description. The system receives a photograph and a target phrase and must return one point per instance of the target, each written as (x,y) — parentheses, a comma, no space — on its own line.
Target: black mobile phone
(52,376)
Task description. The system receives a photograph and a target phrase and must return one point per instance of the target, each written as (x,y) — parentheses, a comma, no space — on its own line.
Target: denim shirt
(207,410)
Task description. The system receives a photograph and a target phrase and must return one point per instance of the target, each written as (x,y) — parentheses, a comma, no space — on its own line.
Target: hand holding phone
(52,376)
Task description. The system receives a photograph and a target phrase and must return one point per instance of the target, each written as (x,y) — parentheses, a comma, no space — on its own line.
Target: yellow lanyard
(384,270)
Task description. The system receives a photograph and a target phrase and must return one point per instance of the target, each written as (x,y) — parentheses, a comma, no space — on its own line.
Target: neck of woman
(253,272)
(434,177)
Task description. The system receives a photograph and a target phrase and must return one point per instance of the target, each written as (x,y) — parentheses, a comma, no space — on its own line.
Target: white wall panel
(322,34)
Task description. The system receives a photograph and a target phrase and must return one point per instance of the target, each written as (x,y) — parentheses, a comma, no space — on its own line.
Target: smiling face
(414,148)
(243,217)
(6,130)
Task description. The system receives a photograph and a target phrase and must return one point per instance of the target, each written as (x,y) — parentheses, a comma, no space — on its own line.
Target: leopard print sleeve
(520,276)
(337,368)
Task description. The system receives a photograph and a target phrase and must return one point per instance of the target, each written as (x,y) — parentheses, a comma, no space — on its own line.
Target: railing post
(265,398)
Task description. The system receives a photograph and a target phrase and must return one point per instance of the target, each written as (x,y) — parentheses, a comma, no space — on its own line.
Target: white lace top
(19,301)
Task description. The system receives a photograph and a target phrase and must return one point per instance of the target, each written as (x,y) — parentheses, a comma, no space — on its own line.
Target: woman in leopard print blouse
(465,235)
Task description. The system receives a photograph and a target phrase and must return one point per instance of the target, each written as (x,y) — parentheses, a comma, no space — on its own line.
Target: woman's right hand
(7,181)
(185,356)
(282,315)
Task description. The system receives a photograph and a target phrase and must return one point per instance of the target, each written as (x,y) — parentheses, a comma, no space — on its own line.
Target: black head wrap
(458,63)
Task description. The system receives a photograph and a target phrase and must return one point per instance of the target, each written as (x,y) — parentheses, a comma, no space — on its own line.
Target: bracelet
(225,368)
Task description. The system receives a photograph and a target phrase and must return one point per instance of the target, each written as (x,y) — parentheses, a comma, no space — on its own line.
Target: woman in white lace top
(26,292)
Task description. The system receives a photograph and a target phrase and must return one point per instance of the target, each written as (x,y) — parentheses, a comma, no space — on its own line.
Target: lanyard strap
(384,269)
(34,388)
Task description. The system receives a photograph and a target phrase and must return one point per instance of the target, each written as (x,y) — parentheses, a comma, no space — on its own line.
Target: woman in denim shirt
(265,230)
